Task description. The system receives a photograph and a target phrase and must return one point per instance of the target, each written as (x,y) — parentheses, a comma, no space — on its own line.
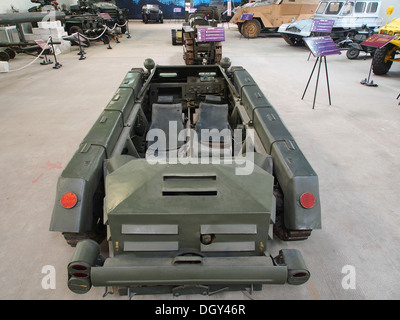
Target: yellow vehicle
(384,56)
(269,15)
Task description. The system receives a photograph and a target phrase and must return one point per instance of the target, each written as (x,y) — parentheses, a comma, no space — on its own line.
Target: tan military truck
(253,18)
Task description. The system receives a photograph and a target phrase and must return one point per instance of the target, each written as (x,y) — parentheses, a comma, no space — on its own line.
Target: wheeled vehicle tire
(352,53)
(381,63)
(251,28)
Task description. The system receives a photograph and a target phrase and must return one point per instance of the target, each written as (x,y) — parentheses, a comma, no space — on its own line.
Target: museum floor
(352,144)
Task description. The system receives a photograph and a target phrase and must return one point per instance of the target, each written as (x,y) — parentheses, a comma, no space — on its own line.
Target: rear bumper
(129,271)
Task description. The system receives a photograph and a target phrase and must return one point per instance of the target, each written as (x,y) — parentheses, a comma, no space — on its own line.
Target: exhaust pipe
(297,269)
(83,259)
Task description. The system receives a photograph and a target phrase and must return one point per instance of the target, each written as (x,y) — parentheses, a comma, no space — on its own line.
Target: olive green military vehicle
(186,174)
(90,25)
(86,15)
(267,16)
(152,12)
(41,4)
(117,15)
(196,51)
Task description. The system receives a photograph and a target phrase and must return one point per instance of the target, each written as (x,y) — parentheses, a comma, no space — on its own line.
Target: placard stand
(57,65)
(377,41)
(316,85)
(45,48)
(366,81)
(81,52)
(321,27)
(211,35)
(320,47)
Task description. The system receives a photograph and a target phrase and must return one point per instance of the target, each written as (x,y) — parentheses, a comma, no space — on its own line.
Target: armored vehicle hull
(90,18)
(267,16)
(187,173)
(350,18)
(87,24)
(118,16)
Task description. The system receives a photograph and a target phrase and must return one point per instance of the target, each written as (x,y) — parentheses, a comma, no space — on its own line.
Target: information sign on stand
(210,34)
(81,39)
(320,47)
(377,41)
(322,25)
(44,46)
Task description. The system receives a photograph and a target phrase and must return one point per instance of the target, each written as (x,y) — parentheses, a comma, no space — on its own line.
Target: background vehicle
(270,14)
(87,24)
(356,38)
(348,16)
(384,57)
(152,12)
(90,7)
(194,51)
(43,3)
(196,213)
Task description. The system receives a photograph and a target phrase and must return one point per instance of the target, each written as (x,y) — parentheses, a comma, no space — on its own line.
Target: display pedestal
(316,85)
(366,81)
(377,41)
(320,47)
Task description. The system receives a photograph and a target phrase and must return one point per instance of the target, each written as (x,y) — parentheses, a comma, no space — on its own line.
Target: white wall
(24,5)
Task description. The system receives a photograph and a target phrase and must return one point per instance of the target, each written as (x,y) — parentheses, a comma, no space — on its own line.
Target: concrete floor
(352,144)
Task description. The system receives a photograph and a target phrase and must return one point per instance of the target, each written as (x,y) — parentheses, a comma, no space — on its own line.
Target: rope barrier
(92,39)
(48,41)
(105,29)
(87,38)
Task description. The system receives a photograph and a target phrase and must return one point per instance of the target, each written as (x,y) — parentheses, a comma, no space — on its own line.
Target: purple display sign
(246,16)
(42,44)
(322,25)
(377,40)
(105,15)
(321,46)
(210,34)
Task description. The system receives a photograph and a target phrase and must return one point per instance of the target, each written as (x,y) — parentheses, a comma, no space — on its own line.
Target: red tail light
(80,275)
(69,200)
(307,200)
(79,267)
